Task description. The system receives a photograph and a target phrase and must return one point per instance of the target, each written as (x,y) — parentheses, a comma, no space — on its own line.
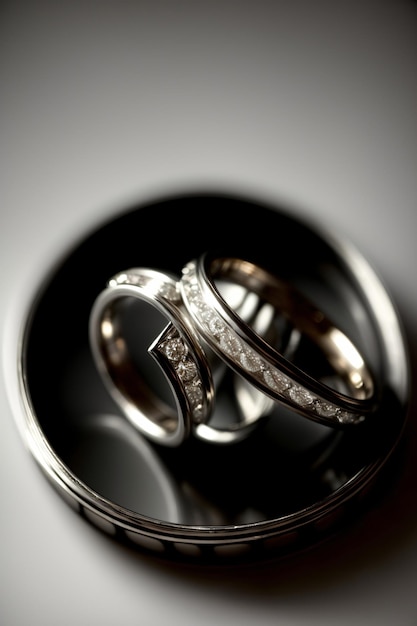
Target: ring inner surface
(131,326)
(338,350)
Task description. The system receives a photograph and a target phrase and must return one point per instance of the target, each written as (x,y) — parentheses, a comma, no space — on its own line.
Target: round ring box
(287,485)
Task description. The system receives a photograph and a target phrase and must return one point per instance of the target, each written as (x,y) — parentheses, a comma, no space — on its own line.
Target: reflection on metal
(280,489)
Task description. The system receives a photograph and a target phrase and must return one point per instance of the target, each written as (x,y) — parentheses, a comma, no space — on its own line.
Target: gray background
(309,104)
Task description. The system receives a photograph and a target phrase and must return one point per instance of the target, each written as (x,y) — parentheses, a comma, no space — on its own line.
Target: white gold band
(177,350)
(248,354)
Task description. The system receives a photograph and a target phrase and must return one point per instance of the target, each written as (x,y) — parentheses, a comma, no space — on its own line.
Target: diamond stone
(301,396)
(186,370)
(193,292)
(175,349)
(142,281)
(276,380)
(230,343)
(344,417)
(207,315)
(250,361)
(325,409)
(169,292)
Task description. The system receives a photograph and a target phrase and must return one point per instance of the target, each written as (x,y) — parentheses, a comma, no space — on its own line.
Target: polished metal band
(177,350)
(247,353)
(189,365)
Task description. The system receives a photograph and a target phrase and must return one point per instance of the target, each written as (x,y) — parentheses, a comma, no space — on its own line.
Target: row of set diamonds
(242,354)
(177,353)
(168,290)
(174,348)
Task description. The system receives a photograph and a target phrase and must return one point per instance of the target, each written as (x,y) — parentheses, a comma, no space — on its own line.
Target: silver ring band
(189,365)
(245,351)
(177,351)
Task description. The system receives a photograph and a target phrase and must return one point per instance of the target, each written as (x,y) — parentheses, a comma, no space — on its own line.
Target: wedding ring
(259,362)
(191,368)
(177,350)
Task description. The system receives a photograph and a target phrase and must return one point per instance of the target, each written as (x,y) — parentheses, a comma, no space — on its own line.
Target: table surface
(310,105)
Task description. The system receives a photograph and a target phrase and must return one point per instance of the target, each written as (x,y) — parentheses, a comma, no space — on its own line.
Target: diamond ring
(162,417)
(118,333)
(350,402)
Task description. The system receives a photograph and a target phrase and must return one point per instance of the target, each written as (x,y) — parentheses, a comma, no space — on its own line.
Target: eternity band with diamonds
(176,350)
(192,369)
(256,360)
